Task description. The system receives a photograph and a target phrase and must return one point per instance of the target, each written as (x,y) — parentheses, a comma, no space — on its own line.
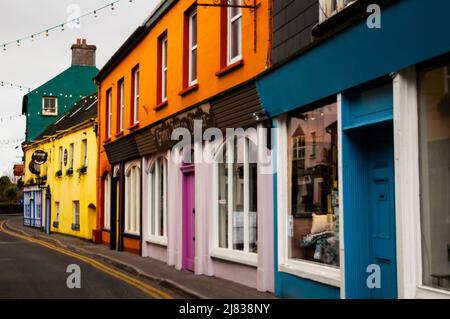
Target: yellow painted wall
(76,187)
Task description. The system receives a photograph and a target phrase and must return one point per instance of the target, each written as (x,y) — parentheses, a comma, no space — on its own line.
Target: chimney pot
(83,53)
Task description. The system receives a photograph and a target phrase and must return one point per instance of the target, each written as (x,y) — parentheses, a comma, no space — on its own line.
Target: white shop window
(157,201)
(328,8)
(132,200)
(107,201)
(434,152)
(236,210)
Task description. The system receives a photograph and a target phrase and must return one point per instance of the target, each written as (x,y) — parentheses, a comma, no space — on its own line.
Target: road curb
(131,269)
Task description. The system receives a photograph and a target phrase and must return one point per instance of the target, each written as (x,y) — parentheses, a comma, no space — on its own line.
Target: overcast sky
(34,63)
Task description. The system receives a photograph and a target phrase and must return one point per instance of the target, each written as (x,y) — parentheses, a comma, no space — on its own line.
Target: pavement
(183,284)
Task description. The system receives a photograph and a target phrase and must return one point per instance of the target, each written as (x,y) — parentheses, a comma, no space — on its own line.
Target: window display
(434,127)
(313,223)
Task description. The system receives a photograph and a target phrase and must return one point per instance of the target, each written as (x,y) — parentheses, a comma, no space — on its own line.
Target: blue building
(359,92)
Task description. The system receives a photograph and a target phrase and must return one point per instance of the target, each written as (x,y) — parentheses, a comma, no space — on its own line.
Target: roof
(83,110)
(62,83)
(135,38)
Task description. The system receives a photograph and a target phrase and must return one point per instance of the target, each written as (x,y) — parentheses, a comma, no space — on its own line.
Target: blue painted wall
(412,31)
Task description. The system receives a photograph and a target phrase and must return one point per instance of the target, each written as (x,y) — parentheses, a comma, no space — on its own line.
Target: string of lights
(10,118)
(27,89)
(11,141)
(61,26)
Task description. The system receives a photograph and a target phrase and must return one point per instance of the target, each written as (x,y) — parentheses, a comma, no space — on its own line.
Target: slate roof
(83,110)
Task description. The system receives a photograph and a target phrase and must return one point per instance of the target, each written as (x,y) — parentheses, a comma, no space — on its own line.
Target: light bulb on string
(112,6)
(62,27)
(46,33)
(32,38)
(95,14)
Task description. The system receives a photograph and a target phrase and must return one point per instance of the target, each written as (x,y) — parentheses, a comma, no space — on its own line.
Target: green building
(48,103)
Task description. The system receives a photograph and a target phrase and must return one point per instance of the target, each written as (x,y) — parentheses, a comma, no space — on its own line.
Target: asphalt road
(29,270)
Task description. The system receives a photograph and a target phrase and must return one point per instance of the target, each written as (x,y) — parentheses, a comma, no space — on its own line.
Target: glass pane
(161,197)
(194,30)
(253,198)
(223,205)
(153,202)
(313,221)
(194,65)
(233,10)
(235,38)
(434,126)
(238,194)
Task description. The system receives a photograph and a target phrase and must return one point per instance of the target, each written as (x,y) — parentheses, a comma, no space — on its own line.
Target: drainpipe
(269,47)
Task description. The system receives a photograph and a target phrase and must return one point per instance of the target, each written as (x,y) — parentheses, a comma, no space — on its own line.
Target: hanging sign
(39,157)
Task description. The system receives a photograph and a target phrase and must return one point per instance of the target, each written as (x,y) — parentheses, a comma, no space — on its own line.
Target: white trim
(407,189)
(230,21)
(235,256)
(314,271)
(164,57)
(121,104)
(109,111)
(48,113)
(192,48)
(157,240)
(136,94)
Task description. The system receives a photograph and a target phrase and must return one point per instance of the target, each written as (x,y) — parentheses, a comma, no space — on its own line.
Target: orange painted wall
(145,54)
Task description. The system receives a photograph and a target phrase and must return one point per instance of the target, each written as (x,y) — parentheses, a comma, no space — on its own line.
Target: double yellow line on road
(146,288)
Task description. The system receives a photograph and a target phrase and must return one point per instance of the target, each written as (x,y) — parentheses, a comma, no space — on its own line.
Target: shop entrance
(115,222)
(369,212)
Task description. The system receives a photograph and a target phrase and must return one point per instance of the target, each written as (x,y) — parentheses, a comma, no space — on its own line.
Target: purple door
(189,220)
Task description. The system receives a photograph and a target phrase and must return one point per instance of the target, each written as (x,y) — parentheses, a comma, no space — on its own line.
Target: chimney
(83,54)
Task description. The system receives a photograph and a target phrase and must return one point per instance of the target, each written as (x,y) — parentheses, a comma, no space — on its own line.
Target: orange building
(189,60)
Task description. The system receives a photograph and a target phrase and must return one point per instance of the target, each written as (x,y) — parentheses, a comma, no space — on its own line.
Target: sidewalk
(194,286)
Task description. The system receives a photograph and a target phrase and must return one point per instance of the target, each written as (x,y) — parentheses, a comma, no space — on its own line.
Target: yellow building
(60,173)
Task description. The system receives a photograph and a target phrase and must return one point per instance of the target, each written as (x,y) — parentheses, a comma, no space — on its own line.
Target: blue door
(382,214)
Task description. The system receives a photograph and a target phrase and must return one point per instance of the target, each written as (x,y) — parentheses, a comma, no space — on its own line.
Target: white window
(330,7)
(236,210)
(193,47)
(107,201)
(84,153)
(121,106)
(136,95)
(57,212)
(234,22)
(49,105)
(164,69)
(132,200)
(76,213)
(157,204)
(71,150)
(109,112)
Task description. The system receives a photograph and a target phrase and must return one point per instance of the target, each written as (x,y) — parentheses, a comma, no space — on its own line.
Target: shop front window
(313,221)
(237,200)
(434,128)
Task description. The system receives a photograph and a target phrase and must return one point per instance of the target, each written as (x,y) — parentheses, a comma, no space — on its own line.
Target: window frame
(57,211)
(230,21)
(134,119)
(107,201)
(318,272)
(153,206)
(45,112)
(76,213)
(84,147)
(244,256)
(61,158)
(164,67)
(120,105)
(71,154)
(132,200)
(192,48)
(340,5)
(109,115)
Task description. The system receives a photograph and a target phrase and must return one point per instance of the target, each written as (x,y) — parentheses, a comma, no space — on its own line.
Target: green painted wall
(68,86)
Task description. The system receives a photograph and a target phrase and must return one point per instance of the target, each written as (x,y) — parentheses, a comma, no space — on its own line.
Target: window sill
(134,127)
(118,134)
(107,140)
(161,105)
(324,274)
(237,257)
(230,68)
(75,227)
(188,90)
(132,235)
(161,241)
(423,292)
(82,170)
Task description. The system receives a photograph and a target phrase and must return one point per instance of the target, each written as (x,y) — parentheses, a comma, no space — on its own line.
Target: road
(32,269)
